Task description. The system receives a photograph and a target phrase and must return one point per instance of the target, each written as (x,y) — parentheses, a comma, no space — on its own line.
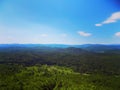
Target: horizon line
(59,44)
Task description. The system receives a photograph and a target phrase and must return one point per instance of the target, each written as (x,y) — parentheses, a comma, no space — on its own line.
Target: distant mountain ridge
(89,47)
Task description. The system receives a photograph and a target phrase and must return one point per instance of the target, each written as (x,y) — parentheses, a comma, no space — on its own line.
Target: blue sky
(60,21)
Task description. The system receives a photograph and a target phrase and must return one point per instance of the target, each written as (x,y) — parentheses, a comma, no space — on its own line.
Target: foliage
(80,60)
(54,78)
(46,68)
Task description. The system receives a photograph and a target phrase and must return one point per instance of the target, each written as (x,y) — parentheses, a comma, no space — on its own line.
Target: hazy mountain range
(98,48)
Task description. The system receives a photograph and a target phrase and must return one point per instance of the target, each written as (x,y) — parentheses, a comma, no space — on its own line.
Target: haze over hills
(98,48)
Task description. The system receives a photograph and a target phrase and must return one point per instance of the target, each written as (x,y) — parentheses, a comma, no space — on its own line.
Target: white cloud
(112,19)
(64,35)
(44,35)
(85,34)
(117,34)
(98,25)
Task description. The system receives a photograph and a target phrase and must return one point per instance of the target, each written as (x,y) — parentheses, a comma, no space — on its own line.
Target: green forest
(48,68)
(44,77)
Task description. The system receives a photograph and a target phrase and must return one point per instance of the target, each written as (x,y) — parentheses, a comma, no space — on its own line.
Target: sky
(60,21)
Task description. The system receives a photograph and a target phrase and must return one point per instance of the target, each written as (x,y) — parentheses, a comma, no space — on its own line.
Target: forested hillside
(50,68)
(80,60)
(45,77)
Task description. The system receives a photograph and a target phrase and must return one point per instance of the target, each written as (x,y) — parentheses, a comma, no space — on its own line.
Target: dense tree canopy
(48,68)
